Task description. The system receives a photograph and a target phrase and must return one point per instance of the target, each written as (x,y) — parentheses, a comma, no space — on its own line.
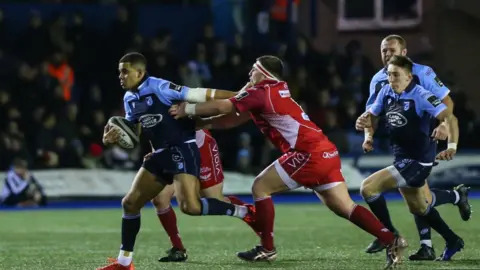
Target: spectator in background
(244,155)
(59,69)
(21,188)
(55,96)
(335,133)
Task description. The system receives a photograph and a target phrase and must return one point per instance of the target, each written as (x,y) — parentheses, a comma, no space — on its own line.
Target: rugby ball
(128,132)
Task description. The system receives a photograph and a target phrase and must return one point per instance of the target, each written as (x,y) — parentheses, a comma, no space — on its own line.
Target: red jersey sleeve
(248,100)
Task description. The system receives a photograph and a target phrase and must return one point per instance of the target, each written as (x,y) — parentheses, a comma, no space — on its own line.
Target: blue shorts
(410,173)
(166,163)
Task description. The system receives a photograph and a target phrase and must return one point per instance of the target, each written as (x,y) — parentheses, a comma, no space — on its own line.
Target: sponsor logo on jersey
(330,154)
(284,93)
(298,160)
(216,159)
(396,119)
(175,87)
(241,95)
(150,120)
(440,83)
(434,101)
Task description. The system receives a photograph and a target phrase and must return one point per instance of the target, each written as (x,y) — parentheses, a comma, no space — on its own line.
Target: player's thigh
(163,199)
(380,181)
(271,180)
(145,187)
(336,197)
(185,169)
(215,191)
(187,188)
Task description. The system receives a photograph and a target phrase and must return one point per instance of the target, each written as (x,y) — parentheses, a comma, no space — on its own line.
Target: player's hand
(111,136)
(147,156)
(367,145)
(447,154)
(363,121)
(441,132)
(178,111)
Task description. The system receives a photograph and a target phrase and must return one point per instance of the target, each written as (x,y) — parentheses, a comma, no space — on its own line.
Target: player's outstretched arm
(224,121)
(210,108)
(196,95)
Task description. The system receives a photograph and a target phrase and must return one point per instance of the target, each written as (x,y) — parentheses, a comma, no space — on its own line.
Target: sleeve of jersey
(377,106)
(430,81)
(432,104)
(168,91)
(372,96)
(128,111)
(248,100)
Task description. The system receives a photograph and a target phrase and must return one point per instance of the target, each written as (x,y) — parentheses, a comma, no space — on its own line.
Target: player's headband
(264,71)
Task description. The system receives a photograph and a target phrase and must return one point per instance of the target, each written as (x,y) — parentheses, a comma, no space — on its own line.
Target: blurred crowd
(59,86)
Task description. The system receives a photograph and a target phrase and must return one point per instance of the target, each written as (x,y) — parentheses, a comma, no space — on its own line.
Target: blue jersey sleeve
(373,94)
(128,111)
(430,81)
(168,92)
(429,103)
(377,107)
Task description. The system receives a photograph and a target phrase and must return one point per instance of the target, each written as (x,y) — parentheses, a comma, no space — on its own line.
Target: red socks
(367,221)
(265,216)
(169,222)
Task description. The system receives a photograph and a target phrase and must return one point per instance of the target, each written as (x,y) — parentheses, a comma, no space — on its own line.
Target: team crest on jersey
(149,101)
(406,105)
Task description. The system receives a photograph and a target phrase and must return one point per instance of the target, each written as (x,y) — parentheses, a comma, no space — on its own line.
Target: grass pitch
(307,236)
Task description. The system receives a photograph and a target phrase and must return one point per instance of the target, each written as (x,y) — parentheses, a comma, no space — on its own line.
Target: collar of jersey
(410,86)
(266,81)
(141,83)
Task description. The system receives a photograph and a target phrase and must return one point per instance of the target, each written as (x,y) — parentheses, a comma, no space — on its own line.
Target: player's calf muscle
(415,200)
(163,199)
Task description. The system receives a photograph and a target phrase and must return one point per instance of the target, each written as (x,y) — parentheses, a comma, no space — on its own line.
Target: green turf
(307,237)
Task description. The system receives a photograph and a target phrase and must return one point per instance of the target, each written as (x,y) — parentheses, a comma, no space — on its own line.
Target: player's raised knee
(191,207)
(366,190)
(259,189)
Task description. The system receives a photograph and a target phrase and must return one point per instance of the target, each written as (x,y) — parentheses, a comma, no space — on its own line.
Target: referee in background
(21,188)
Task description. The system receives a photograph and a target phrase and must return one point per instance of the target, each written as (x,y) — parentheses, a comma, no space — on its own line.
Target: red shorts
(211,170)
(316,170)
